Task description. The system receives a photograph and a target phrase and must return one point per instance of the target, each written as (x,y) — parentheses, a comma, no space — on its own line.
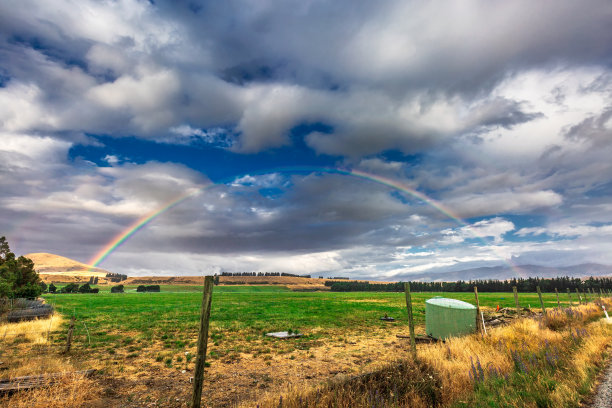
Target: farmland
(145,343)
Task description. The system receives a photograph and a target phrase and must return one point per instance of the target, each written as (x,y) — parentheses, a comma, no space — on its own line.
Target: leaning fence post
(516,302)
(198,377)
(478,317)
(541,301)
(600,293)
(558,304)
(69,337)
(410,320)
(579,298)
(569,296)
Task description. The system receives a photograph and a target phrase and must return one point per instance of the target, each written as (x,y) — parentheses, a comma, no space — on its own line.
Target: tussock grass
(403,383)
(33,331)
(25,350)
(70,392)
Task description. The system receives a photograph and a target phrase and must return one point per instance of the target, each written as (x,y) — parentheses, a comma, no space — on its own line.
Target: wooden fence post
(410,320)
(541,301)
(558,304)
(579,298)
(478,323)
(516,302)
(198,377)
(600,293)
(69,337)
(569,296)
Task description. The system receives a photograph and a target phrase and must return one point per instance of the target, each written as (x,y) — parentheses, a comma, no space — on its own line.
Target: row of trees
(115,277)
(74,288)
(491,285)
(263,274)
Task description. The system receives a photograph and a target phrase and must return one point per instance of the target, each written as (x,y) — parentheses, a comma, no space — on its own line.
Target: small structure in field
(284,334)
(446,318)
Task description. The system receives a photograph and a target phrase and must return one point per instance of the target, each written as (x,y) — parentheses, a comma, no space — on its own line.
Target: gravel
(603,398)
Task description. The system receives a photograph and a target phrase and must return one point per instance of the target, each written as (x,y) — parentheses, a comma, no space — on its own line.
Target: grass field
(145,343)
(140,320)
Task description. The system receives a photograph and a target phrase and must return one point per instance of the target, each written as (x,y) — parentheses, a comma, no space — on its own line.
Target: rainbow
(139,224)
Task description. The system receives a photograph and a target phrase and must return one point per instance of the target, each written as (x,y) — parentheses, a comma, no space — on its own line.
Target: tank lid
(450,303)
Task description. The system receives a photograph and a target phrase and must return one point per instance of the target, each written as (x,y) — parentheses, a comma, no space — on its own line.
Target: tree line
(263,274)
(489,285)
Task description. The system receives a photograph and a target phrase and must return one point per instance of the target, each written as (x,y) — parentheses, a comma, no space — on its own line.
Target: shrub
(117,289)
(148,288)
(70,288)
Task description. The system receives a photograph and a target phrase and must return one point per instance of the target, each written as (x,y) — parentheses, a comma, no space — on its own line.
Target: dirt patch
(268,367)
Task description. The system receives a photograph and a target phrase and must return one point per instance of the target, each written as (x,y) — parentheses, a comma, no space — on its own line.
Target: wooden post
(579,298)
(558,304)
(478,323)
(410,320)
(198,377)
(541,301)
(600,294)
(569,296)
(516,302)
(69,337)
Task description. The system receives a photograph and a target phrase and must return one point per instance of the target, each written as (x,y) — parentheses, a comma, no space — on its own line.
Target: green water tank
(446,318)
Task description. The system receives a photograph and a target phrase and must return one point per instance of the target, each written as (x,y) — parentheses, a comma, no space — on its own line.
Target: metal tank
(446,318)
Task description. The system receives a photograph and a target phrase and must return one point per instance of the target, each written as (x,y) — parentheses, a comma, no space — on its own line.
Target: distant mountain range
(506,272)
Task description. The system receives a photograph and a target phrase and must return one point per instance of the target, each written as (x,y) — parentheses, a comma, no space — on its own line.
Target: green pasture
(138,320)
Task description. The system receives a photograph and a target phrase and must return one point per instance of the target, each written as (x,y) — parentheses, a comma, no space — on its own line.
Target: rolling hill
(50,264)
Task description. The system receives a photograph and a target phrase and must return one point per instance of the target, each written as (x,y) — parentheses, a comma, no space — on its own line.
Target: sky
(483,129)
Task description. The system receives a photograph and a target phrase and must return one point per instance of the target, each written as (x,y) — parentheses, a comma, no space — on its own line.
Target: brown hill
(58,268)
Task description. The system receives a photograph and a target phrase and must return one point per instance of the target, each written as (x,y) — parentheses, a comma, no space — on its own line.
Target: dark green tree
(52,288)
(85,288)
(17,275)
(70,288)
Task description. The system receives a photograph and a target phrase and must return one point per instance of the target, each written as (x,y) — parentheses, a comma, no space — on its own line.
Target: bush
(117,289)
(52,288)
(85,288)
(70,288)
(148,288)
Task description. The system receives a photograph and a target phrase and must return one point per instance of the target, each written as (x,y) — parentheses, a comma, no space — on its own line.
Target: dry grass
(70,392)
(402,383)
(34,331)
(25,350)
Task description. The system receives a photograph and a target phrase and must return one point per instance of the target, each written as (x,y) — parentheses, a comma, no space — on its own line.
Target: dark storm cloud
(265,68)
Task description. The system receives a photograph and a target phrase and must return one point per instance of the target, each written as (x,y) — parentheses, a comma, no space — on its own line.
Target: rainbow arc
(142,222)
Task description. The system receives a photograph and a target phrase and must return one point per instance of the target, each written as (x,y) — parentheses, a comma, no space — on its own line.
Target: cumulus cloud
(493,110)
